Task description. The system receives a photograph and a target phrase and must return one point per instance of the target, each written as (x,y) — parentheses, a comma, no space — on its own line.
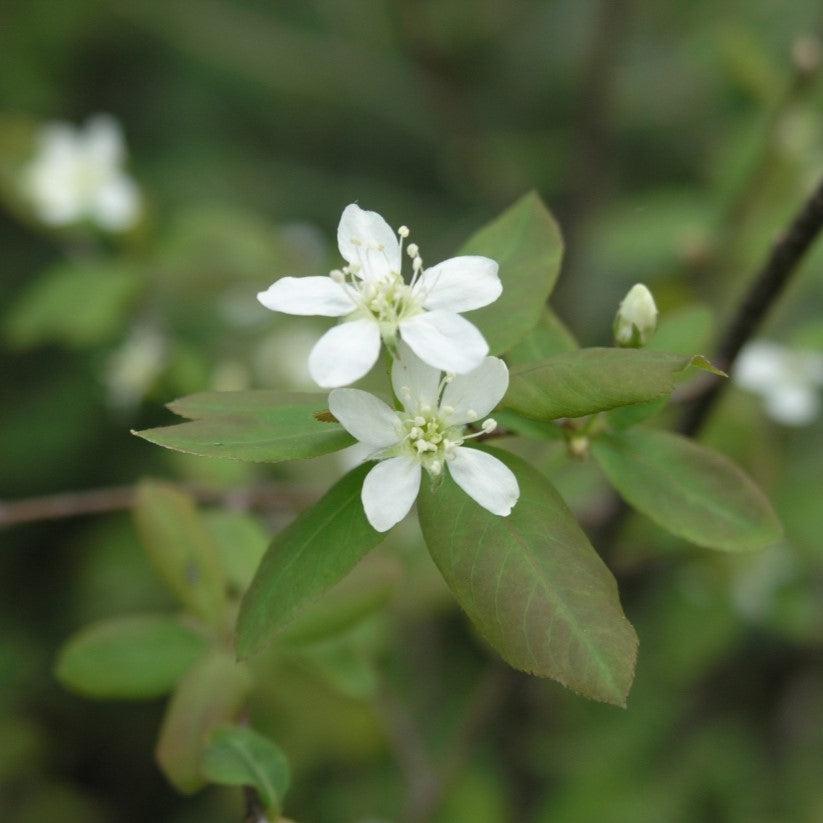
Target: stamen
(489,425)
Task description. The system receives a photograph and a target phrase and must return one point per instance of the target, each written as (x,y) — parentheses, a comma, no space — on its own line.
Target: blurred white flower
(787,380)
(636,318)
(377,303)
(131,369)
(428,433)
(77,174)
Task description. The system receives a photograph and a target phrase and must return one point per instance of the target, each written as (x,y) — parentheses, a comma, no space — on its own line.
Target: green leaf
(525,240)
(532,584)
(322,545)
(689,490)
(549,337)
(526,427)
(259,426)
(211,694)
(239,756)
(624,417)
(129,657)
(78,305)
(181,549)
(241,543)
(587,381)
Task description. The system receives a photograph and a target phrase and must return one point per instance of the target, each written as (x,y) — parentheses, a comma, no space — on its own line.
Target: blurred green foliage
(671,139)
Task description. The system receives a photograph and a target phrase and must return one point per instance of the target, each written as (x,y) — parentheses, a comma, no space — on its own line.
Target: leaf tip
(701,362)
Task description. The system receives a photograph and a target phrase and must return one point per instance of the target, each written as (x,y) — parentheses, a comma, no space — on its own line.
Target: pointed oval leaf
(526,242)
(533,585)
(549,337)
(210,695)
(689,490)
(254,402)
(248,426)
(135,657)
(577,383)
(181,549)
(323,544)
(240,756)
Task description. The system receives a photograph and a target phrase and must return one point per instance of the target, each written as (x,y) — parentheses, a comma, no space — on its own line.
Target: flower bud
(636,318)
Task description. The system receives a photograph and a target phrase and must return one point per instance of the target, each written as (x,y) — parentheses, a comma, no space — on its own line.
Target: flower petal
(474,395)
(485,479)
(365,417)
(445,340)
(460,284)
(307,296)
(104,143)
(389,490)
(368,241)
(793,404)
(116,205)
(415,383)
(344,353)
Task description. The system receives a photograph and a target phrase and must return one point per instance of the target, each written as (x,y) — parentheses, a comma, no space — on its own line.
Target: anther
(489,425)
(412,250)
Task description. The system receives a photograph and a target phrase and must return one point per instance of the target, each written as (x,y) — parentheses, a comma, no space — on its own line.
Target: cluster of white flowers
(788,381)
(441,374)
(77,175)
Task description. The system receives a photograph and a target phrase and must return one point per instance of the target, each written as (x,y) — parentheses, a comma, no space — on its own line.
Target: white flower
(788,381)
(77,174)
(427,434)
(636,318)
(377,303)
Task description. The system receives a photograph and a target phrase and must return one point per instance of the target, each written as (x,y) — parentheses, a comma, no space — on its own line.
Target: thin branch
(783,261)
(120,498)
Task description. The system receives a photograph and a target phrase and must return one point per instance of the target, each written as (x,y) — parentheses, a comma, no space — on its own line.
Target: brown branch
(783,261)
(121,498)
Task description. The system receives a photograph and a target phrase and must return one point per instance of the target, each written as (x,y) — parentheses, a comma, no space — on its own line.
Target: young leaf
(210,695)
(134,657)
(689,490)
(256,426)
(549,337)
(181,549)
(239,756)
(525,240)
(322,545)
(577,383)
(77,305)
(533,585)
(241,543)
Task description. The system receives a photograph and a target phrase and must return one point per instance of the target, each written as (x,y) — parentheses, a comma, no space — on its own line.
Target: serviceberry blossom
(378,304)
(787,380)
(77,174)
(428,433)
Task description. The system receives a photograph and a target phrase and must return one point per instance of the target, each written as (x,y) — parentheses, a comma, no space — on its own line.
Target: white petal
(345,353)
(760,365)
(445,340)
(485,479)
(415,383)
(368,241)
(474,395)
(117,204)
(793,404)
(389,490)
(104,142)
(307,296)
(460,284)
(365,417)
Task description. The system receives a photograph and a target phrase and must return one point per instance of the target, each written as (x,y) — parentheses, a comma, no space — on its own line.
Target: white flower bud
(636,318)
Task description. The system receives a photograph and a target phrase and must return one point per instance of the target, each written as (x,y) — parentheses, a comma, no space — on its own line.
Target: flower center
(389,301)
(430,439)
